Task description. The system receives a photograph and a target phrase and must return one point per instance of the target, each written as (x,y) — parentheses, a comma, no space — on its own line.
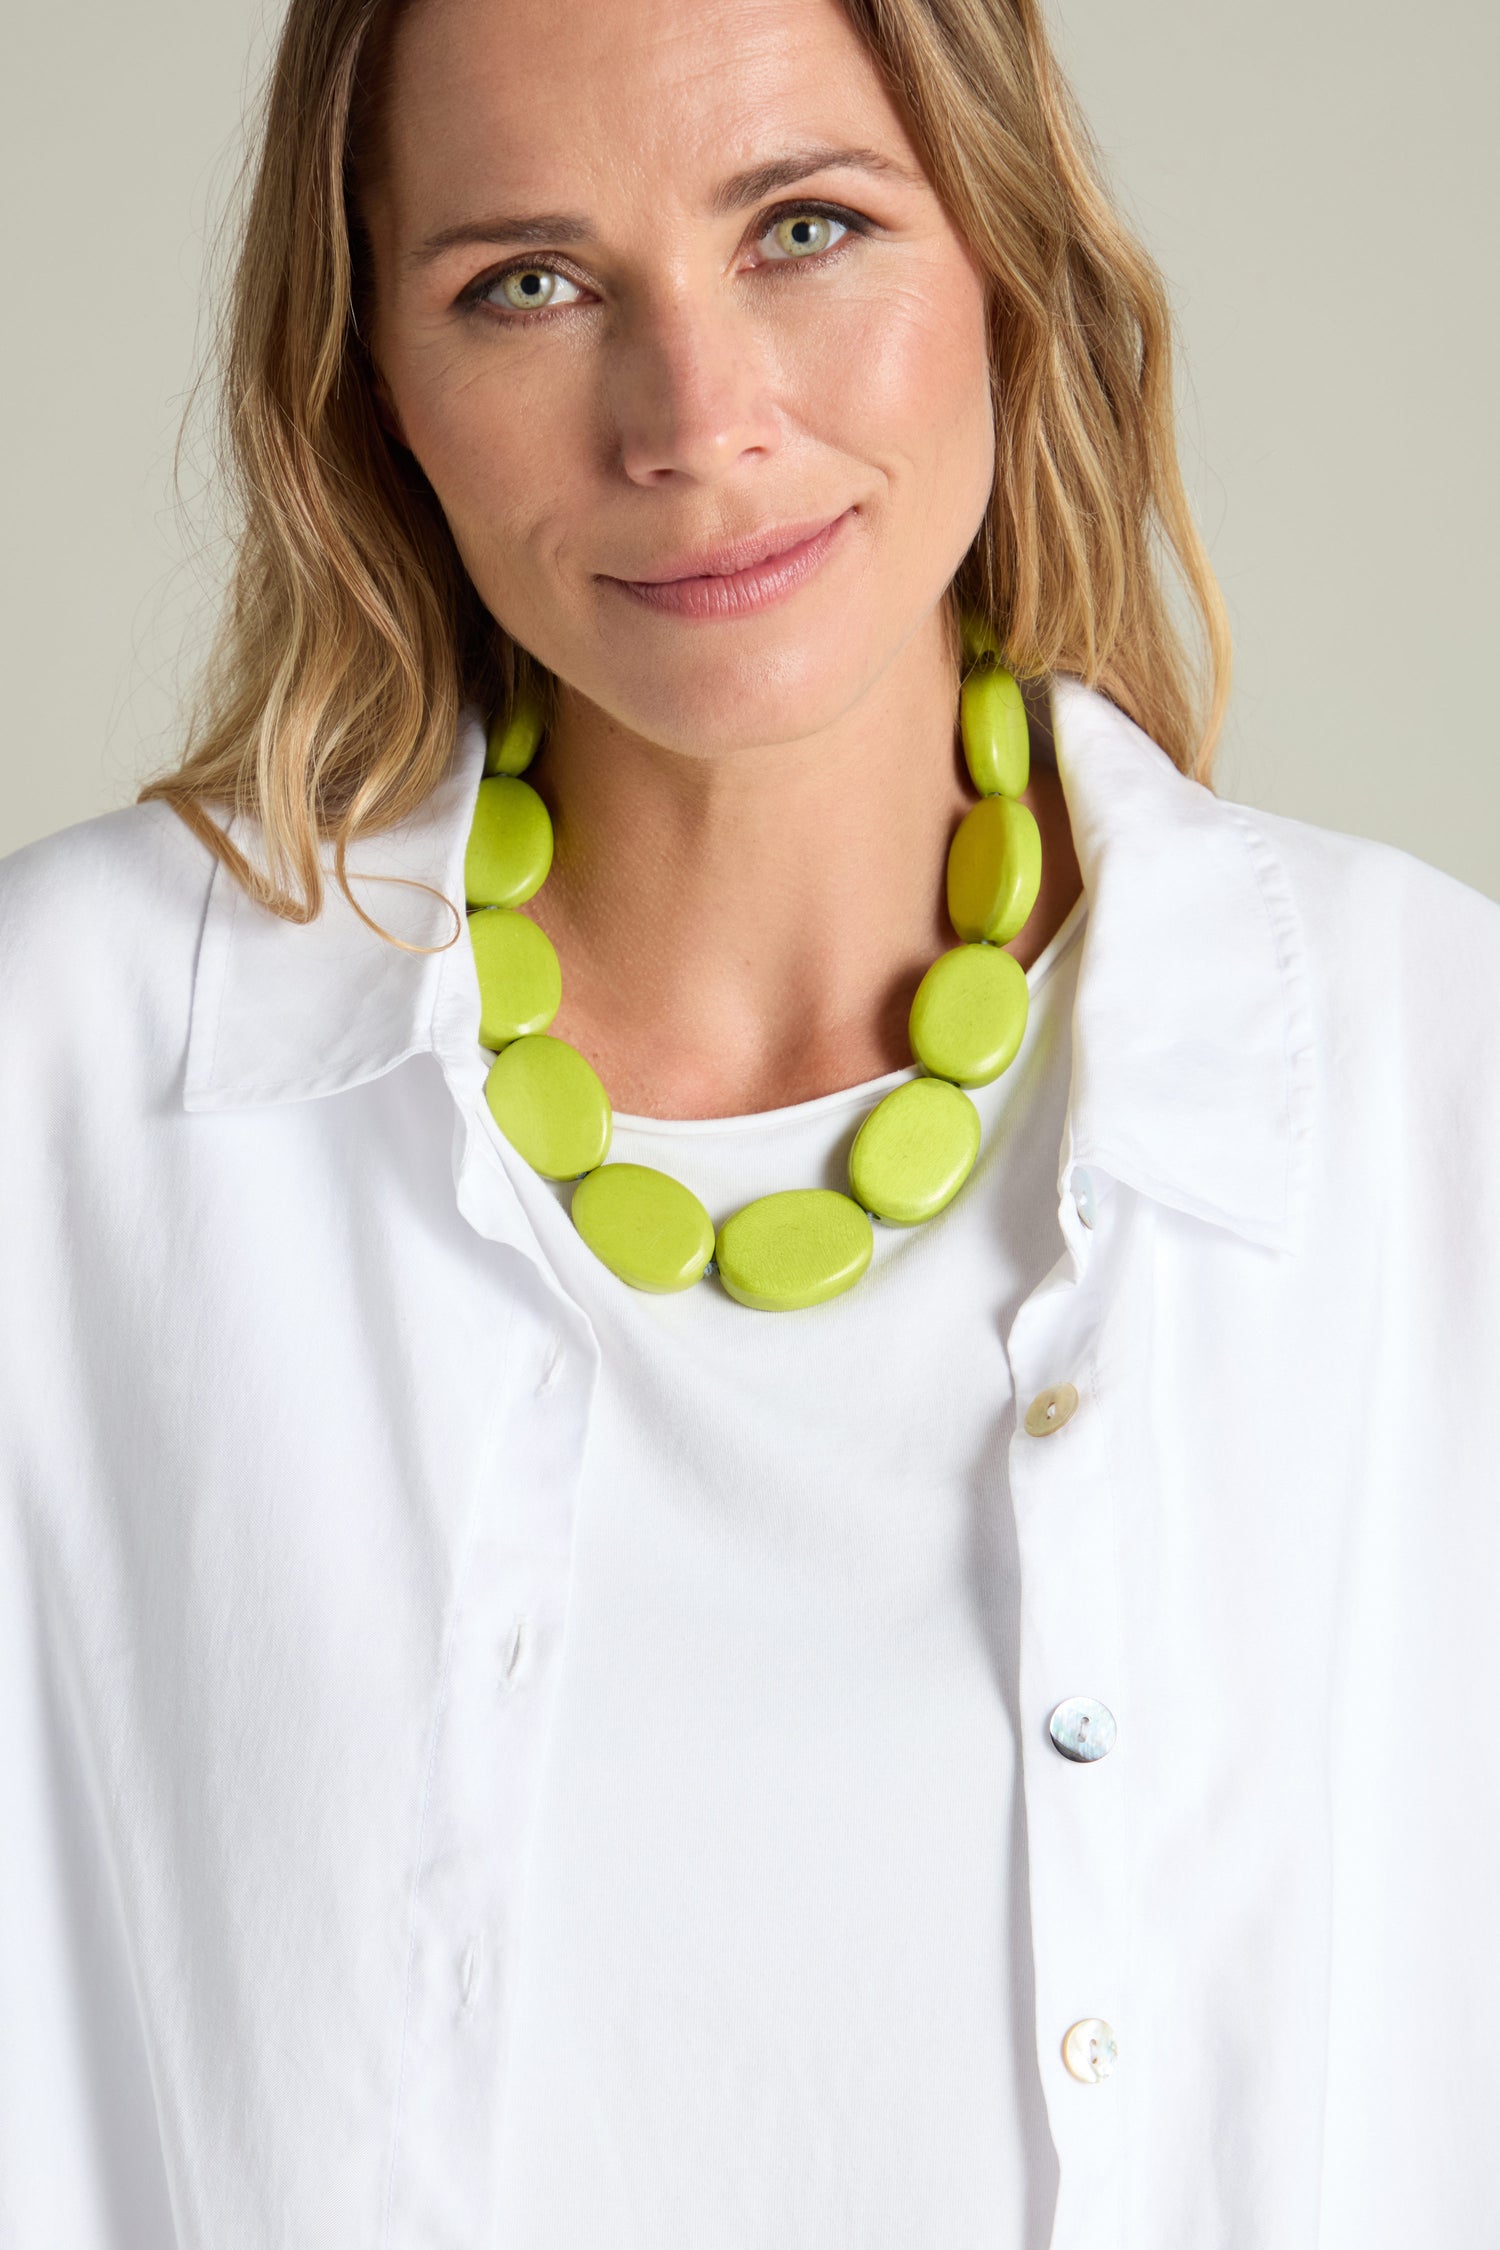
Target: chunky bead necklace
(916,1147)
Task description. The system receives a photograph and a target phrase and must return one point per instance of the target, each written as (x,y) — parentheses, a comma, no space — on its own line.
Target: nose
(690,395)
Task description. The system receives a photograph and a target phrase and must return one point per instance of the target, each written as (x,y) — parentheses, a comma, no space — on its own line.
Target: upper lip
(734,554)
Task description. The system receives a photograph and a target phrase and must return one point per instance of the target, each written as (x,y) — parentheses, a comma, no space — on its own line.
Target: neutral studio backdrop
(1317,177)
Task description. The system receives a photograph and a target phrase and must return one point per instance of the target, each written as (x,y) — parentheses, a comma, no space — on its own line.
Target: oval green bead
(992,721)
(969,1014)
(510,844)
(513,738)
(914,1151)
(994,870)
(520,979)
(645,1226)
(549,1104)
(797,1248)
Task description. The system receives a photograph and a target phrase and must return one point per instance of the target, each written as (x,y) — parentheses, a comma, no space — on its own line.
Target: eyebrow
(736,193)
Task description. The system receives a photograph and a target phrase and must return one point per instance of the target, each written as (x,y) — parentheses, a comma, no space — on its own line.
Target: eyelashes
(476,296)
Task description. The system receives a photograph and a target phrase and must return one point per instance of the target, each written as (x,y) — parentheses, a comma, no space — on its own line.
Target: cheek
(485,447)
(904,384)
(493,440)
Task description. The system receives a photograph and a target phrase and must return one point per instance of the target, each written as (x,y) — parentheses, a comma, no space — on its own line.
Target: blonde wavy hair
(352,635)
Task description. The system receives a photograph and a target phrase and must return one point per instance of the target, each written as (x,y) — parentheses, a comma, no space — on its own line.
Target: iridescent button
(1050,1409)
(1082,1729)
(1090,2049)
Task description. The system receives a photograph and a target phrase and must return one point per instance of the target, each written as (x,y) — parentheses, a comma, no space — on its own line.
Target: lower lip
(741,590)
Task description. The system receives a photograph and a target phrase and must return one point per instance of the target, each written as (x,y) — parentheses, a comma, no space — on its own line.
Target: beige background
(1317,177)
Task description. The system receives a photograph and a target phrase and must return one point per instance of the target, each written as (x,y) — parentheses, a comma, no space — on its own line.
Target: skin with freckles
(609,355)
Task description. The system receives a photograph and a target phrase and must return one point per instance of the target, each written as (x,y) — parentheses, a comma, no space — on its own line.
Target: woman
(957,1726)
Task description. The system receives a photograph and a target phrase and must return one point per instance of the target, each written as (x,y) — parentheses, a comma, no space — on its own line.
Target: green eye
(528,288)
(803,234)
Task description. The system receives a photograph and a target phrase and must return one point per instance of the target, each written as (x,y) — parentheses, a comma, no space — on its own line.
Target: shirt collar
(1191,1045)
(283,1010)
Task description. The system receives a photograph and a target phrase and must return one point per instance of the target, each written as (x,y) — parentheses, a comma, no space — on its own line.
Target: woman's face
(612,351)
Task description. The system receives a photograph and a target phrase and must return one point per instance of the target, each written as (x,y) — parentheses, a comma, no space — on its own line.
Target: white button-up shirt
(293,1419)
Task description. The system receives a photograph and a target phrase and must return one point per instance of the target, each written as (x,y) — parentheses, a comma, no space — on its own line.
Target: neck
(745,931)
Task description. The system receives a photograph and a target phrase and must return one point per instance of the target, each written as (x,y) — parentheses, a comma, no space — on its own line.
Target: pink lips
(730,593)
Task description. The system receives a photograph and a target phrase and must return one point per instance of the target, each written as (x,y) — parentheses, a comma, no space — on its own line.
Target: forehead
(644,95)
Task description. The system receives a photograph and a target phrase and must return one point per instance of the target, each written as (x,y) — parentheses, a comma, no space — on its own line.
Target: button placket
(1063,1358)
(489,1741)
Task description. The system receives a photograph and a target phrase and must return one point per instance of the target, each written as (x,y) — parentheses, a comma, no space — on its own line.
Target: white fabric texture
(785,1743)
(294,1450)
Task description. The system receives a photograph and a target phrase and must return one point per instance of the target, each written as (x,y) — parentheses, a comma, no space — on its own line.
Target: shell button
(1082,1729)
(1050,1409)
(1090,2049)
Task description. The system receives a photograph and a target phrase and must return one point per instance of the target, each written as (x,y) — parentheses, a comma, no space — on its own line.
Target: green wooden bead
(510,844)
(797,1248)
(979,639)
(520,981)
(645,1226)
(513,738)
(992,721)
(914,1151)
(550,1106)
(994,870)
(969,1014)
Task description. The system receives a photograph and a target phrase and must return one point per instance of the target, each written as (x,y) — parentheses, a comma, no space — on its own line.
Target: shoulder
(142,860)
(99,926)
(1351,890)
(1401,962)
(1371,910)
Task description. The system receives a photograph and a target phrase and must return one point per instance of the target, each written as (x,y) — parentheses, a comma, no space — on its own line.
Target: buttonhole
(468,1971)
(520,1649)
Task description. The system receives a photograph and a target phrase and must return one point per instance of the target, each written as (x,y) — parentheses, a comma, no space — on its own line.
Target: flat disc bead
(520,981)
(513,737)
(994,870)
(992,722)
(794,1249)
(510,844)
(549,1104)
(645,1226)
(914,1151)
(969,1014)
